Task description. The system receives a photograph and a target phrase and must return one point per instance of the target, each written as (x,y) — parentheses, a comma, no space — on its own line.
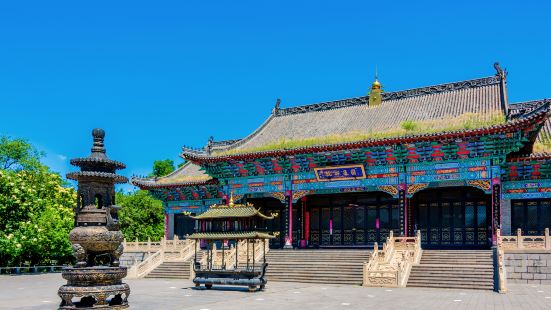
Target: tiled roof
(187,174)
(524,109)
(538,117)
(217,212)
(480,96)
(231,235)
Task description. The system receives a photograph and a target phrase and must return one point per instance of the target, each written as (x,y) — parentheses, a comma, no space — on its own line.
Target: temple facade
(456,161)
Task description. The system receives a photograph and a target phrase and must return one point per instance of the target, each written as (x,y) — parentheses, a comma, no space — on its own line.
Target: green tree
(141,216)
(18,154)
(162,167)
(36,216)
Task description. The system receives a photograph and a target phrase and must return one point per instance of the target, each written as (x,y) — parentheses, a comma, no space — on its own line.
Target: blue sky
(158,75)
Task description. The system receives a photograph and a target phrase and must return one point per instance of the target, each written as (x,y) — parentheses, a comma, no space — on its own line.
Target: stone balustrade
(149,246)
(523,259)
(520,242)
(168,251)
(391,266)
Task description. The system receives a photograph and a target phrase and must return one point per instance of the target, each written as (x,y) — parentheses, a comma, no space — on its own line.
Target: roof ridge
(243,140)
(396,95)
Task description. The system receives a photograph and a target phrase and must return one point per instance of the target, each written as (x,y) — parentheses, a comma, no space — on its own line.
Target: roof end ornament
(499,71)
(275,110)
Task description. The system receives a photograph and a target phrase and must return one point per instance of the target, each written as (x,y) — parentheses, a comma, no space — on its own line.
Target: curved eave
(151,184)
(231,235)
(95,174)
(511,126)
(109,162)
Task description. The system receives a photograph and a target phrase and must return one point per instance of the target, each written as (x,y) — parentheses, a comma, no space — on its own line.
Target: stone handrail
(167,245)
(173,252)
(186,251)
(499,261)
(520,242)
(142,269)
(391,266)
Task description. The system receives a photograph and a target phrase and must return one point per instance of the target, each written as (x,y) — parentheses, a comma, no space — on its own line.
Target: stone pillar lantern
(95,282)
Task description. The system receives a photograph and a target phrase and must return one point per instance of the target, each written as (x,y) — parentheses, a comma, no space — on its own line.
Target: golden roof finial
(231,199)
(375,97)
(376,84)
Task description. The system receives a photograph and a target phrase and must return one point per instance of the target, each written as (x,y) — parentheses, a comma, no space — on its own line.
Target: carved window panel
(314,237)
(531,216)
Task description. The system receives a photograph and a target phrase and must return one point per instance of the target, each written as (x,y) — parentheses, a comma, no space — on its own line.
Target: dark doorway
(355,219)
(183,225)
(268,206)
(453,217)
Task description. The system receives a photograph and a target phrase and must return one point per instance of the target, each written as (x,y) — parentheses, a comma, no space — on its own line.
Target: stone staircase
(460,269)
(330,266)
(128,259)
(174,270)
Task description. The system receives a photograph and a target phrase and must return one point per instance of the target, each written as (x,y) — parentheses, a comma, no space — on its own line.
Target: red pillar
(496,207)
(289,237)
(306,219)
(166,225)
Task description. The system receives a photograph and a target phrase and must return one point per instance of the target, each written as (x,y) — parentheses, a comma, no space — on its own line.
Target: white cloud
(62,157)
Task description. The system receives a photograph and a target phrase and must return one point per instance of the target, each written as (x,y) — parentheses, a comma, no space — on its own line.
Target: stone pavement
(40,292)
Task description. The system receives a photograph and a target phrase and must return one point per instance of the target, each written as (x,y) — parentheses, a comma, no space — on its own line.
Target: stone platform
(180,294)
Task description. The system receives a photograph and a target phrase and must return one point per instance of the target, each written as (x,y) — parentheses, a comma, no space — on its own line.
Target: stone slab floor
(40,292)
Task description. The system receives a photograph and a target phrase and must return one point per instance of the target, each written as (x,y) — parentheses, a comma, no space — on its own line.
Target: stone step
(452,277)
(452,286)
(292,278)
(273,269)
(416,273)
(317,281)
(337,258)
(466,284)
(319,276)
(463,269)
(317,266)
(323,273)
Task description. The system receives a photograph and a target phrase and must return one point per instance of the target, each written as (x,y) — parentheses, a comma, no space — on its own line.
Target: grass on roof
(186,178)
(542,145)
(465,121)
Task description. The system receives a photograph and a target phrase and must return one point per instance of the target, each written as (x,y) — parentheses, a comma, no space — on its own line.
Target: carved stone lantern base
(94,288)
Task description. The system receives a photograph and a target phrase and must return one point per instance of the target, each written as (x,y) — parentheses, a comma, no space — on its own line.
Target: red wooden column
(306,219)
(289,220)
(402,199)
(166,226)
(496,208)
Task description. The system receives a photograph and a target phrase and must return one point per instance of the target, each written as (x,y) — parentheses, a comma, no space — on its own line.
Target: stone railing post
(192,271)
(519,239)
(365,271)
(163,243)
(499,256)
(148,245)
(214,254)
(547,240)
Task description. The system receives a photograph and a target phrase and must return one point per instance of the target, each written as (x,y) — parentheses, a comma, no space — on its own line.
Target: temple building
(455,161)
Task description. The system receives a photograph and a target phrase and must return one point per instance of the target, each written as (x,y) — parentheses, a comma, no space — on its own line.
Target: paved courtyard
(39,292)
